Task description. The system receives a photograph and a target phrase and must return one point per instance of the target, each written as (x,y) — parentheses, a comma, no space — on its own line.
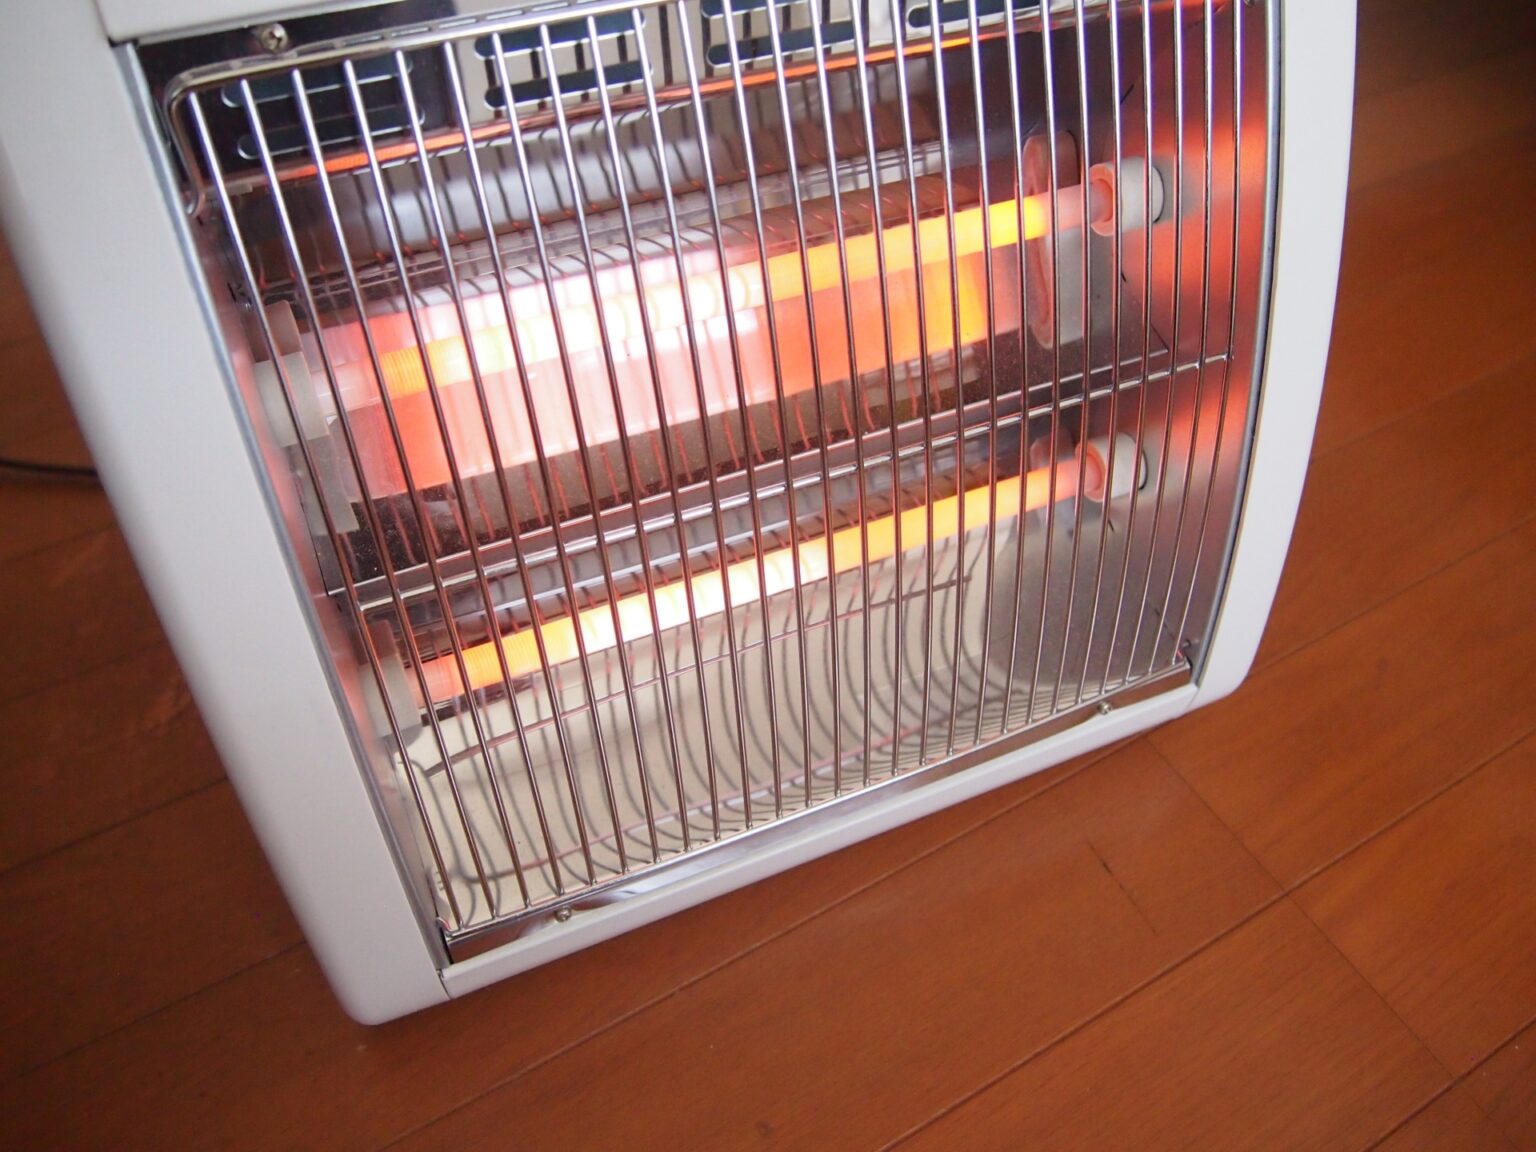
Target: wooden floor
(1304,918)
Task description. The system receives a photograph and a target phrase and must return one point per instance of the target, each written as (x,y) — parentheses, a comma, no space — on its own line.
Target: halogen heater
(591,456)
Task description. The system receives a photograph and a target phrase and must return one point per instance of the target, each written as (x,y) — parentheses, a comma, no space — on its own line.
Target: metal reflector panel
(706,413)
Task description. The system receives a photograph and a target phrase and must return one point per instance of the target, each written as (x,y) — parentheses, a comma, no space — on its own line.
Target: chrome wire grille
(683,432)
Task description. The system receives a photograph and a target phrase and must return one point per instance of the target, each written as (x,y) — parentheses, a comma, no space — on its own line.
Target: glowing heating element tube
(617,315)
(623,319)
(630,618)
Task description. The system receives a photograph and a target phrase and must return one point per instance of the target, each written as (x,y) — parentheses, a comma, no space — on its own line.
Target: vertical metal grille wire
(575,331)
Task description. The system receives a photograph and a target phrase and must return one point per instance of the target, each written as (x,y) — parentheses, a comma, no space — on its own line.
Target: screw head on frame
(272,38)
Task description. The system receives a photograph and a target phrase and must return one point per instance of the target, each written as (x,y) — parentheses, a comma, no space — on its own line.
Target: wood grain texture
(99,749)
(1442,113)
(69,608)
(1505,1088)
(32,402)
(94,936)
(1393,36)
(17,322)
(1328,746)
(935,980)
(1268,1040)
(1453,1123)
(1439,912)
(1434,290)
(264,1059)
(34,516)
(1360,541)
(36,424)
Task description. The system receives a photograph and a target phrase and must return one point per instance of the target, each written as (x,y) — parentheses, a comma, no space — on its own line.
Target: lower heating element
(696,413)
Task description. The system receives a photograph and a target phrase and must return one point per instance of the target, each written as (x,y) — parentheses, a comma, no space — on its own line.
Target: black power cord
(47,470)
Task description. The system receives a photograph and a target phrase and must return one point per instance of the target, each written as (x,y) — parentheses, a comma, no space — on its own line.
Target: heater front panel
(705,414)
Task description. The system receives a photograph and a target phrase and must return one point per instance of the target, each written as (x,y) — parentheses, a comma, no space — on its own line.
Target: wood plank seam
(110,662)
(1384,828)
(160,806)
(1406,813)
(1285,893)
(1398,1016)
(1416,409)
(617,1021)
(1455,1083)
(32,1069)
(41,685)
(61,541)
(1204,803)
(1161,973)
(1088,762)
(1067,1033)
(1439,162)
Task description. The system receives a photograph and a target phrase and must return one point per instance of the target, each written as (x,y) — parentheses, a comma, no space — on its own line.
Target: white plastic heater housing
(92,211)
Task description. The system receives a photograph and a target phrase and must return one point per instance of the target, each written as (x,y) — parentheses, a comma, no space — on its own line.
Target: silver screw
(272,38)
(562,914)
(1105,708)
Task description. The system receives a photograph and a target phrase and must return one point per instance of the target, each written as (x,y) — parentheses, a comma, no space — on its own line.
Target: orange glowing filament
(643,309)
(630,618)
(623,318)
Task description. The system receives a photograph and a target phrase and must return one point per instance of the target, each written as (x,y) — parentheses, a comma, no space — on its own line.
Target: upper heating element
(701,412)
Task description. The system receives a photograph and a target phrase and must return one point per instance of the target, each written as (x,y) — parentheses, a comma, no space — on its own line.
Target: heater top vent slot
(327,93)
(571,47)
(274,90)
(957,12)
(655,43)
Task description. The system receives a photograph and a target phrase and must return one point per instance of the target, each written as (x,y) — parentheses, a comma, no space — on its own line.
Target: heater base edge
(588,927)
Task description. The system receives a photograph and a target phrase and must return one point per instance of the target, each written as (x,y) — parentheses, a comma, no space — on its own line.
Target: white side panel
(1317,60)
(586,928)
(95,240)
